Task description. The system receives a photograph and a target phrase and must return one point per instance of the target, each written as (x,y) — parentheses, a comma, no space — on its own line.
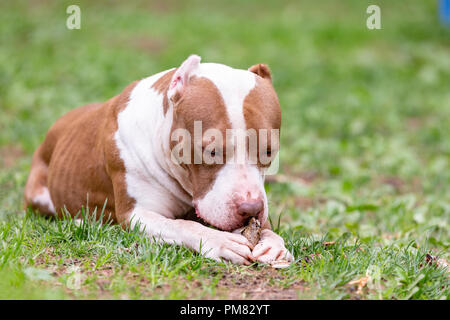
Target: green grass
(365,144)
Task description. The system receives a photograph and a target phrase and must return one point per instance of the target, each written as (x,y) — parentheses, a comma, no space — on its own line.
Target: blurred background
(366,113)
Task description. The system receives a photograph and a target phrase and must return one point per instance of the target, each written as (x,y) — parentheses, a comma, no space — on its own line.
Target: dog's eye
(212,153)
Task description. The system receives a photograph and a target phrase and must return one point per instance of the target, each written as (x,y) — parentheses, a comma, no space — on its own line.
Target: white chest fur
(142,131)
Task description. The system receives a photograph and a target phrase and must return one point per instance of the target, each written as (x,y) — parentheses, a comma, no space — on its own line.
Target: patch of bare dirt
(261,284)
(293,175)
(9,155)
(395,182)
(165,6)
(304,203)
(251,284)
(306,177)
(149,44)
(415,123)
(400,185)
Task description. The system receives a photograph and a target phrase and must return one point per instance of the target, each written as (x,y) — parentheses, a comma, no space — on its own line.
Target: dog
(119,155)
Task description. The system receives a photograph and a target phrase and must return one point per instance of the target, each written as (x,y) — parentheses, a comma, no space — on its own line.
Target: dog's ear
(261,70)
(181,77)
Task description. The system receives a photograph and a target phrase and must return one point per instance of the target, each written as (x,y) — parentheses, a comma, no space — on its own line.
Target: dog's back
(68,156)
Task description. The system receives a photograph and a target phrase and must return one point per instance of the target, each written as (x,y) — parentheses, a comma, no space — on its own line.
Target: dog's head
(225,133)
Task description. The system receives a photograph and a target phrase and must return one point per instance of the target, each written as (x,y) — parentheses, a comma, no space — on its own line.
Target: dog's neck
(143,138)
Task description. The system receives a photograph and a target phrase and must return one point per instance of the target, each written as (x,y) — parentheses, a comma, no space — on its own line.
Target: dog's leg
(37,194)
(212,243)
(271,247)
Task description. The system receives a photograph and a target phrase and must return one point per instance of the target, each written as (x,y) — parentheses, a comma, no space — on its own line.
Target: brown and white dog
(122,151)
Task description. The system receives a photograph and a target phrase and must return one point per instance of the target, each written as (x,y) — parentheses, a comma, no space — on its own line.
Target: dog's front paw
(271,248)
(228,246)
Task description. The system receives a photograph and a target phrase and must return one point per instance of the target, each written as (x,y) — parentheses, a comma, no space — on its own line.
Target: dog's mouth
(247,223)
(237,224)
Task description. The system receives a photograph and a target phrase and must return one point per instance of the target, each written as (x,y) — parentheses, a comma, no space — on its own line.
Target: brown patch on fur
(162,85)
(79,162)
(261,70)
(76,173)
(262,110)
(201,101)
(115,165)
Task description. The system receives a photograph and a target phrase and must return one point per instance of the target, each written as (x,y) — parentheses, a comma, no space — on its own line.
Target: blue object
(444,11)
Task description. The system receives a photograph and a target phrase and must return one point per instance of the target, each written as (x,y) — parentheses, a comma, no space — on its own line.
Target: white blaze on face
(238,180)
(233,182)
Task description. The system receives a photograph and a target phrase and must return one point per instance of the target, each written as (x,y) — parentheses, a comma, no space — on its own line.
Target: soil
(9,155)
(258,285)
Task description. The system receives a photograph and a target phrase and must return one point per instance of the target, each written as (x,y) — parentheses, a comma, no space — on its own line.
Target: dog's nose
(250,208)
